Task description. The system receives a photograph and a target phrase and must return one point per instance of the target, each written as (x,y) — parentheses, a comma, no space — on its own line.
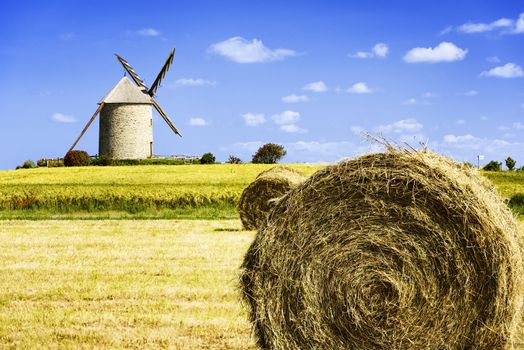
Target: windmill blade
(132,73)
(164,115)
(87,125)
(162,74)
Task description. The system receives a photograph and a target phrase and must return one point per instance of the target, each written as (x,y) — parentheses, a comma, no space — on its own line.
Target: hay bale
(396,250)
(259,197)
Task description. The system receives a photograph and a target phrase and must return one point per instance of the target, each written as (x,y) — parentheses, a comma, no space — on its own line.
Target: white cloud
(194,82)
(148,32)
(198,122)
(509,70)
(381,50)
(450,138)
(402,126)
(429,94)
(471,93)
(519,26)
(286,117)
(295,98)
(446,30)
(443,52)
(240,50)
(493,59)
(359,88)
(63,118)
(361,54)
(254,119)
(410,101)
(317,86)
(485,27)
(357,130)
(67,36)
(292,128)
(518,126)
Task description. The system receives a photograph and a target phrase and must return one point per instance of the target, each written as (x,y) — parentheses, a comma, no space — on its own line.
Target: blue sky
(310,75)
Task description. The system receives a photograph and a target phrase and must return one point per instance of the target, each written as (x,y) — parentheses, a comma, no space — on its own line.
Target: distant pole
(478,161)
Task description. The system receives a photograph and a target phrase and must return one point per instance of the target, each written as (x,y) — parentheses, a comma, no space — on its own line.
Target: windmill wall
(126,131)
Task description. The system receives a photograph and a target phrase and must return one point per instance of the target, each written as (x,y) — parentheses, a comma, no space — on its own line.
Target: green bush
(468,165)
(41,162)
(207,158)
(269,153)
(493,166)
(510,163)
(76,158)
(28,164)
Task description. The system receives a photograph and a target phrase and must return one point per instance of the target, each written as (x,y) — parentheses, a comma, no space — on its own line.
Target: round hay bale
(259,197)
(396,250)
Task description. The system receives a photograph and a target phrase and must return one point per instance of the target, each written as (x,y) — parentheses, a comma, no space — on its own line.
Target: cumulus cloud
(402,126)
(519,26)
(292,128)
(410,101)
(359,88)
(493,59)
(286,117)
(148,32)
(63,118)
(198,122)
(317,86)
(443,52)
(509,70)
(240,50)
(253,119)
(379,50)
(194,82)
(295,98)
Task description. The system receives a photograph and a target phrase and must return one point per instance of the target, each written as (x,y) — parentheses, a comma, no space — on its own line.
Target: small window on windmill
(150,149)
(151,122)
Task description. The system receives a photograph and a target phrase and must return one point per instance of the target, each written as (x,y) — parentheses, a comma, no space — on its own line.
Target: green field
(154,191)
(201,191)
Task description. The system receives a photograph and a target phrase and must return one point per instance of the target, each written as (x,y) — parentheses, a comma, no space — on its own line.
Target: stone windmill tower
(126,117)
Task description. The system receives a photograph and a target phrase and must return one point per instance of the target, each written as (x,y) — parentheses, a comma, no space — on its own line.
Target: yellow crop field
(129,188)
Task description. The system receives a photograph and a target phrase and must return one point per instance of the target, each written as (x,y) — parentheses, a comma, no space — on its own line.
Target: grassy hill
(183,191)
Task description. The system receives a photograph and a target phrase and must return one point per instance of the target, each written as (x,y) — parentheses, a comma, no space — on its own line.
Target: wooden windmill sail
(126,124)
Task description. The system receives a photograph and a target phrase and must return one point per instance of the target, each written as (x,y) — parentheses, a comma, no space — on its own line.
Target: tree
(493,166)
(510,163)
(76,158)
(234,160)
(269,153)
(207,158)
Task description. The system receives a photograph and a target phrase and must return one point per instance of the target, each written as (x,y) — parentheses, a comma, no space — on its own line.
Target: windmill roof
(126,92)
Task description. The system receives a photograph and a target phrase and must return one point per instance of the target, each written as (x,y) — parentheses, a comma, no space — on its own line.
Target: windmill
(126,117)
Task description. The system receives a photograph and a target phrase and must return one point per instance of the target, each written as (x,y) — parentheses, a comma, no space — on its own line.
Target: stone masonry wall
(125,131)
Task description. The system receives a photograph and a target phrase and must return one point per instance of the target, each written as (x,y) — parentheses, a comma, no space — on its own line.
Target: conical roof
(126,92)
